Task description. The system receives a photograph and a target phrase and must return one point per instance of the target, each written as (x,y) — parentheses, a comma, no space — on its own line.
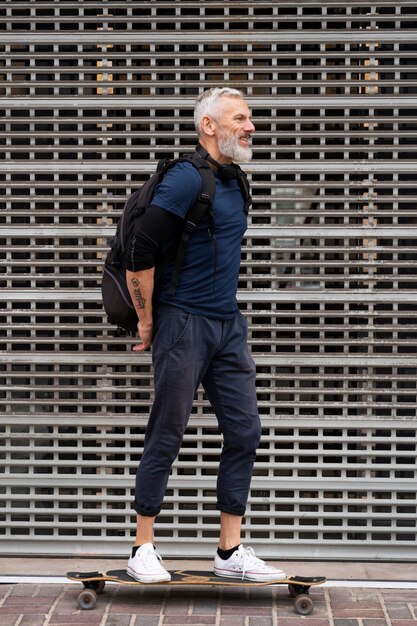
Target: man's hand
(145,332)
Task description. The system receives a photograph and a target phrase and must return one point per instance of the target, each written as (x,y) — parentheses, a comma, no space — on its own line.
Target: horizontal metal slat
(344,166)
(104,38)
(354,295)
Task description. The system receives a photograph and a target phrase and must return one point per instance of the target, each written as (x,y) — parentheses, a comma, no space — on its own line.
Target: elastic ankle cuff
(226,554)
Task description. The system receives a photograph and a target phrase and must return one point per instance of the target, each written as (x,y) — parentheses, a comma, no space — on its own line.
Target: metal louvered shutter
(91,94)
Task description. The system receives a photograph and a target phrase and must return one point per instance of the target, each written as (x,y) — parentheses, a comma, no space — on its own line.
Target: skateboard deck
(94,583)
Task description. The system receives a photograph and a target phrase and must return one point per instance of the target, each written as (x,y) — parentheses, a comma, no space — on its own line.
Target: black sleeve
(157,227)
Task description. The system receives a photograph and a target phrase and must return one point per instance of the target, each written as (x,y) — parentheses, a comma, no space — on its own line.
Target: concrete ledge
(340,570)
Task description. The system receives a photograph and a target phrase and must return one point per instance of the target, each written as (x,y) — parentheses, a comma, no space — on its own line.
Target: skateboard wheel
(87,599)
(303,604)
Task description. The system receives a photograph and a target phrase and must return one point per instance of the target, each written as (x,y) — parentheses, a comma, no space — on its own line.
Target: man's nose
(249,127)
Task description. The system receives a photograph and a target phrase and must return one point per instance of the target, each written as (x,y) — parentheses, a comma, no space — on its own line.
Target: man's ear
(208,125)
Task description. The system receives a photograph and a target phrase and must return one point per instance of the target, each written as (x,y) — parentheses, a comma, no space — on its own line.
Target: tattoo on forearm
(139,299)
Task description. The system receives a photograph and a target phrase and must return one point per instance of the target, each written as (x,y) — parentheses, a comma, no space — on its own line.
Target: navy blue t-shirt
(209,275)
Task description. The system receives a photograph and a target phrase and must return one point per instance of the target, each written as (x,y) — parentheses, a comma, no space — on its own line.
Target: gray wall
(91,95)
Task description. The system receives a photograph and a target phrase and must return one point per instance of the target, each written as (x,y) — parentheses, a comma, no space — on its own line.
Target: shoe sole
(150,580)
(249,578)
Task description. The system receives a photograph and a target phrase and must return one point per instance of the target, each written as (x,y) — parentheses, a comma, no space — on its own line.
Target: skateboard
(94,583)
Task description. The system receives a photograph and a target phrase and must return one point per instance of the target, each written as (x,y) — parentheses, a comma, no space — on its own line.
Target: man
(199,336)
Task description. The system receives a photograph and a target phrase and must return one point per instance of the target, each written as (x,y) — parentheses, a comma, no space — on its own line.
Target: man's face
(234,130)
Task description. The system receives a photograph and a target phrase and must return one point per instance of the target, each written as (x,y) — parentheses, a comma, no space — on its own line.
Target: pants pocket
(172,327)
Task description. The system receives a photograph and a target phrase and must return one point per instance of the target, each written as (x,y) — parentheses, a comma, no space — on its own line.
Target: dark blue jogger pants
(188,350)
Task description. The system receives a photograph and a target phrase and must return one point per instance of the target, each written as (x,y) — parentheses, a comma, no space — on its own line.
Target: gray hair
(208,103)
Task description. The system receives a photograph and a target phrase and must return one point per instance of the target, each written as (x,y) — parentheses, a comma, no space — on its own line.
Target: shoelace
(158,557)
(250,558)
(150,554)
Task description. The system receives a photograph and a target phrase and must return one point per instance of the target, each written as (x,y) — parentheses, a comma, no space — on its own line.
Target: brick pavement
(56,605)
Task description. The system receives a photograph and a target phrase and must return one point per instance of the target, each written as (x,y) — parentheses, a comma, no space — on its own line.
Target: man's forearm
(140,285)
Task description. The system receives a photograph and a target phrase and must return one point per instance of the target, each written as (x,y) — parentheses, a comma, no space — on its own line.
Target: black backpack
(115,294)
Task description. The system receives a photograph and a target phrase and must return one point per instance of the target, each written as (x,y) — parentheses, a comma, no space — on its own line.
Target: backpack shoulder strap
(199,209)
(242,179)
(208,188)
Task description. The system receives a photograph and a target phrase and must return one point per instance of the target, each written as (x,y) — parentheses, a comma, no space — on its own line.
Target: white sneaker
(244,564)
(146,566)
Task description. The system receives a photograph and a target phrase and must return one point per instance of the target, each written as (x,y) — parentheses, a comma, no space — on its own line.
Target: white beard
(229,147)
